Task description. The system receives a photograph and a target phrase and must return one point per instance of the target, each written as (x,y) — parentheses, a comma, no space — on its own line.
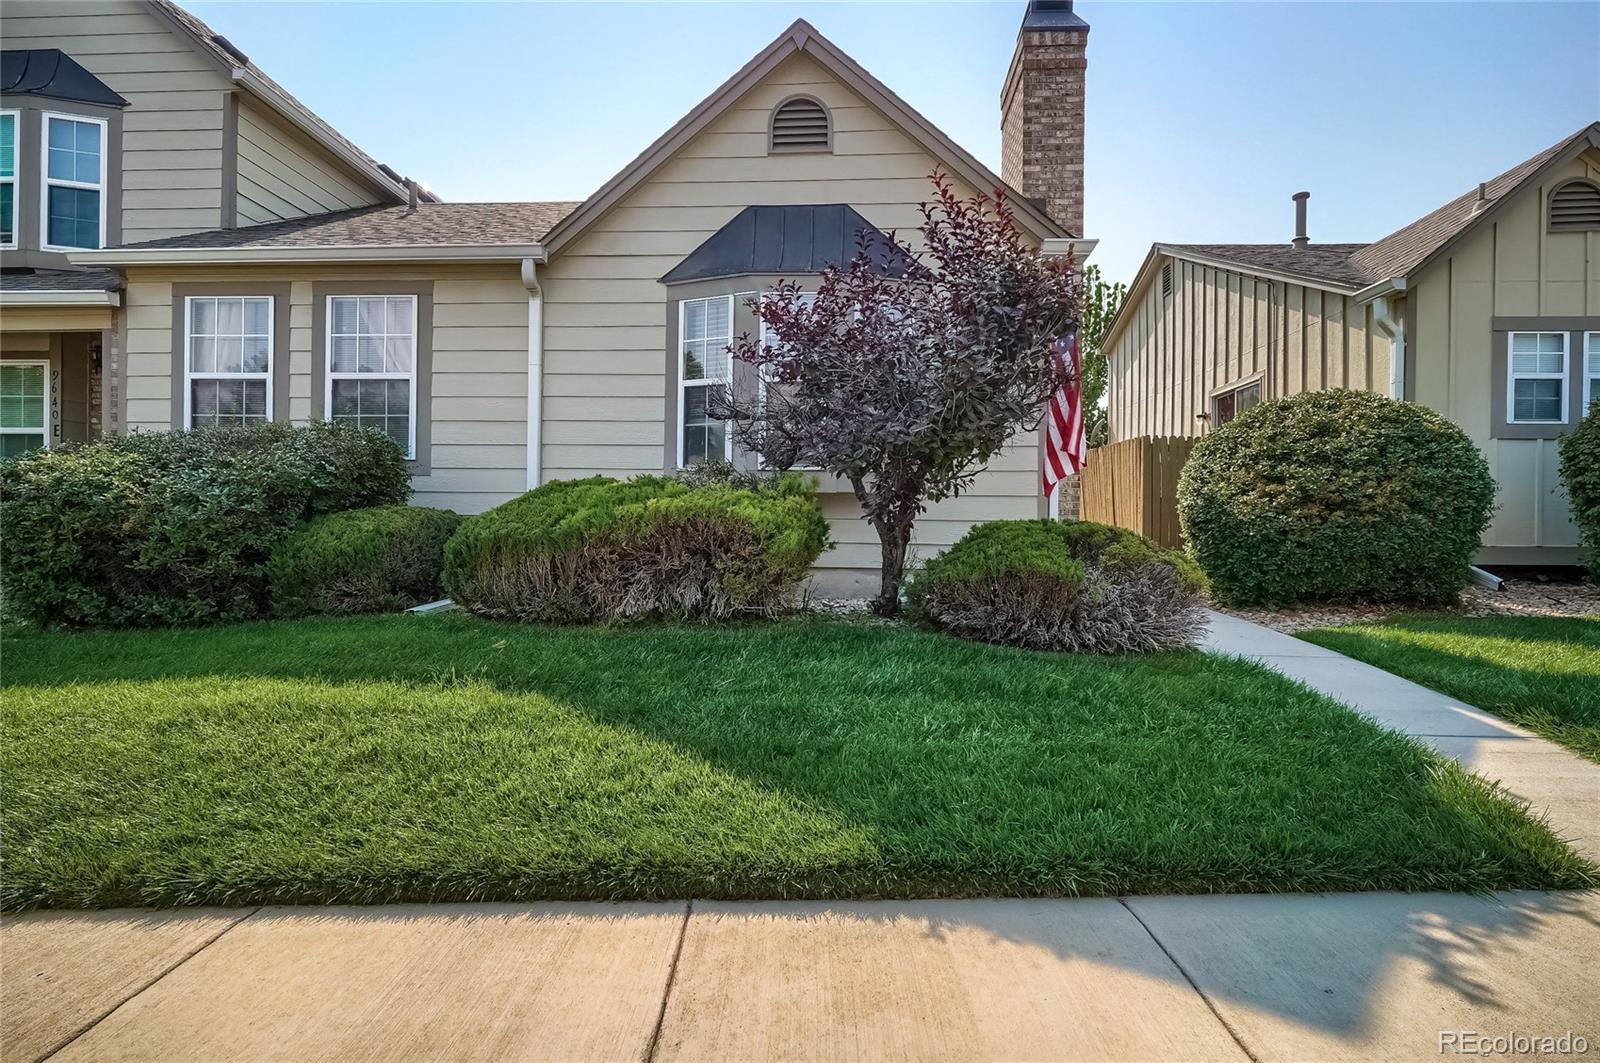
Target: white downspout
(530,281)
(1395,329)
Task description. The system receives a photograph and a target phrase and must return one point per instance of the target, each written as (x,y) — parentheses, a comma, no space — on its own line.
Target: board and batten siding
(1222,328)
(1512,266)
(606,376)
(479,402)
(282,174)
(172,128)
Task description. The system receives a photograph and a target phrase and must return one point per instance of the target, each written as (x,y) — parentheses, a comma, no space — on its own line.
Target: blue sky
(1203,118)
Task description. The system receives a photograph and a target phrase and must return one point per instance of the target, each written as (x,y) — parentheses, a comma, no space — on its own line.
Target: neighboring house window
(74,178)
(801,124)
(8,179)
(1591,369)
(1538,369)
(705,331)
(24,411)
(227,360)
(372,357)
(1231,404)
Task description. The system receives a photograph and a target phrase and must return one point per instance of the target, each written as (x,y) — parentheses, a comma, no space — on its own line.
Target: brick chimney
(1041,111)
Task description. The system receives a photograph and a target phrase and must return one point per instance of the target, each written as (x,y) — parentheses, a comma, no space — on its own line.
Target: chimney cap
(1052,15)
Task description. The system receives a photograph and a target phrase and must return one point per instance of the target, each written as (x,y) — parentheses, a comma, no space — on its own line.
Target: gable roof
(1413,245)
(237,66)
(431,231)
(800,37)
(1319,265)
(51,73)
(790,240)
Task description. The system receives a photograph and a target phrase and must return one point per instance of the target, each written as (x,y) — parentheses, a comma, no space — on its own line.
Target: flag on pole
(1066,448)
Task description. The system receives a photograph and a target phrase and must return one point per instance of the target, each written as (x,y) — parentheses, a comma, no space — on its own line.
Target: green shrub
(578,551)
(1336,496)
(1061,585)
(1580,472)
(176,527)
(378,560)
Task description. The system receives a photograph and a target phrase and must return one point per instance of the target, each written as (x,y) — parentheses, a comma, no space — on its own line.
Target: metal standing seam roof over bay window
(790,240)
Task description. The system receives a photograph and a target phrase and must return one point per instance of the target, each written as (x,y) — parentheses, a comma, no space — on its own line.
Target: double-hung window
(1536,391)
(705,332)
(228,360)
(24,407)
(1591,369)
(73,200)
(8,179)
(372,357)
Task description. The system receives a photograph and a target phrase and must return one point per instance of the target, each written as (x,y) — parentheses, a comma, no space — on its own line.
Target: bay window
(705,331)
(24,407)
(8,179)
(1537,369)
(372,357)
(72,200)
(227,360)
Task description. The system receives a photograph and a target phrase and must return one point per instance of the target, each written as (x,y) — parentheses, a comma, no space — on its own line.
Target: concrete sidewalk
(1360,976)
(1560,785)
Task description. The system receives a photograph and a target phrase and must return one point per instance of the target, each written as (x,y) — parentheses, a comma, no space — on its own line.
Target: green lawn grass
(402,758)
(1540,672)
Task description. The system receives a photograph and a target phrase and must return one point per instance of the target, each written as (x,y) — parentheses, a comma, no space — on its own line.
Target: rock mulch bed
(1520,597)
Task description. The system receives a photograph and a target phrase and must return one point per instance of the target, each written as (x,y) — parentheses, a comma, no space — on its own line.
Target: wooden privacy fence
(1134,485)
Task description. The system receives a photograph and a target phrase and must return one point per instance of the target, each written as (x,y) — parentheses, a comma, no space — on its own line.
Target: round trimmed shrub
(378,560)
(580,551)
(1580,473)
(1061,585)
(176,527)
(1336,496)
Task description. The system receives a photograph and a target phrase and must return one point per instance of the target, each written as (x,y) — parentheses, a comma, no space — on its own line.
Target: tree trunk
(893,540)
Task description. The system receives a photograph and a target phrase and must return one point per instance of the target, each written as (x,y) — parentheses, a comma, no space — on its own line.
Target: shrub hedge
(176,527)
(1336,496)
(1061,585)
(577,551)
(375,560)
(1580,472)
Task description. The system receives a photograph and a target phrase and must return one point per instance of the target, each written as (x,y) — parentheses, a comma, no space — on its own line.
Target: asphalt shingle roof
(430,224)
(60,280)
(1323,262)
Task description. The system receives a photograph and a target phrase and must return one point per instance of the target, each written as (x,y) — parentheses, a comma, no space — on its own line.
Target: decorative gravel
(1520,597)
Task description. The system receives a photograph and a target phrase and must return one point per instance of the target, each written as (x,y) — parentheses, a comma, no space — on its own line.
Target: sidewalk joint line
(179,962)
(1226,1025)
(672,978)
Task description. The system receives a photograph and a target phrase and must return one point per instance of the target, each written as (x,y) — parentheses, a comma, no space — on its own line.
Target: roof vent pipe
(1300,237)
(1482,203)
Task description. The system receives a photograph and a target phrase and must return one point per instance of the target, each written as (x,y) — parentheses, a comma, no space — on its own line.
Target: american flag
(1065,446)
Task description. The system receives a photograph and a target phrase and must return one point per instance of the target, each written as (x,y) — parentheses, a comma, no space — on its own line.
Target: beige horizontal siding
(283,174)
(172,130)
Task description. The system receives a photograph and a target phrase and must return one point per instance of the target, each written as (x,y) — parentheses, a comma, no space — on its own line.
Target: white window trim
(45,418)
(327,385)
(190,376)
(685,385)
(1589,394)
(46,182)
(1512,376)
(16,169)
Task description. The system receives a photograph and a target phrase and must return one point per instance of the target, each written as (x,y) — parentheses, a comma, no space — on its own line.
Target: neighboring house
(250,263)
(1486,310)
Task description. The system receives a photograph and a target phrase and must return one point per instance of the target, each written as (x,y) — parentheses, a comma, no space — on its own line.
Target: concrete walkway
(1557,784)
(1351,977)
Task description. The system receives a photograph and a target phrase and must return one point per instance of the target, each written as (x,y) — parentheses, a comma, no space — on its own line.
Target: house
(1486,310)
(192,246)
